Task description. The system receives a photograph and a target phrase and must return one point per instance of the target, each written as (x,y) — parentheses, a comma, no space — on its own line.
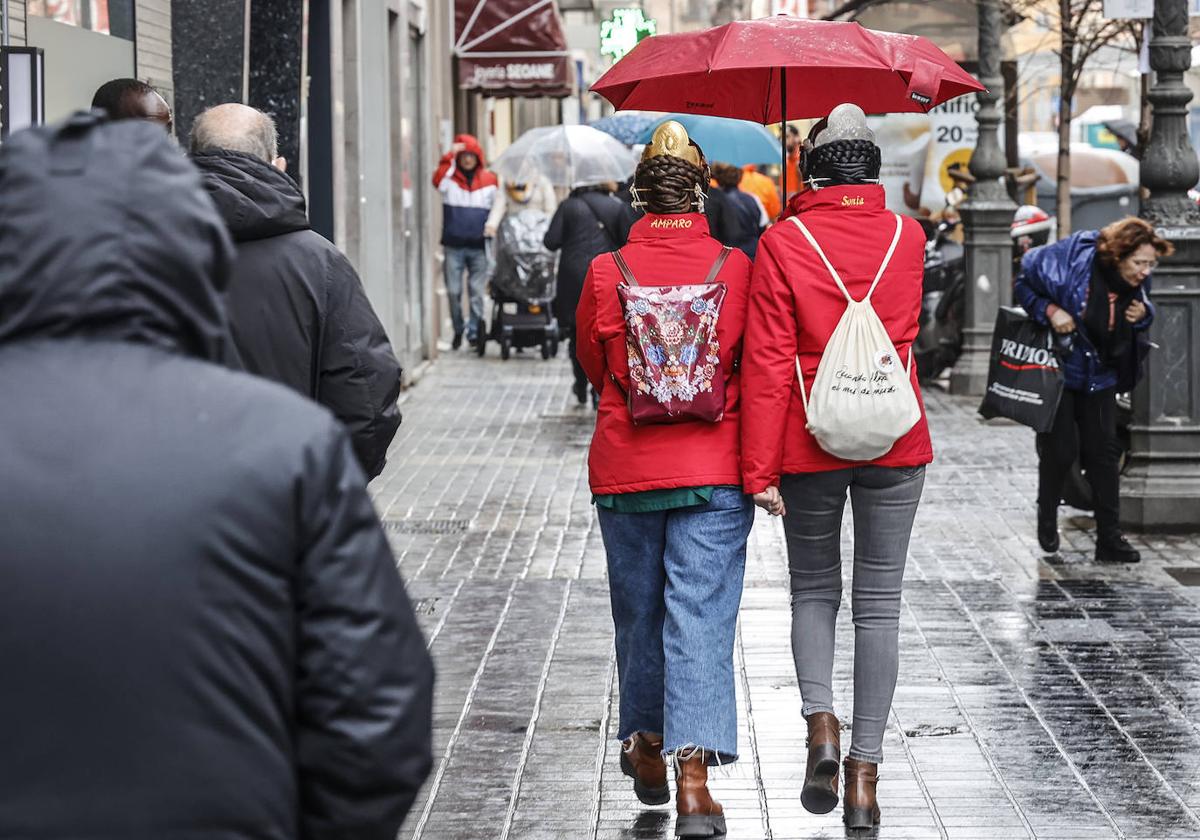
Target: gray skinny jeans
(884,501)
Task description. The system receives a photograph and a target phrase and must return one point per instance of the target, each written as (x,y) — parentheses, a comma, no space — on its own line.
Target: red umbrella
(753,69)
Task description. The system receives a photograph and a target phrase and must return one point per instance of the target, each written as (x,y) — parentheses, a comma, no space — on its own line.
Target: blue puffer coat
(1061,273)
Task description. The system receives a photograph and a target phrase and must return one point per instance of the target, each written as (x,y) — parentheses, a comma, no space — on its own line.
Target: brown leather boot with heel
(697,813)
(642,761)
(862,808)
(820,793)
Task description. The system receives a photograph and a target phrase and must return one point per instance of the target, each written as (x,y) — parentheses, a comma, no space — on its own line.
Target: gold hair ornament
(672,139)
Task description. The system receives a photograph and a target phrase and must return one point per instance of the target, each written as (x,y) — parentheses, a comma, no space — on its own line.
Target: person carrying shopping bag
(831,408)
(1092,288)
(660,326)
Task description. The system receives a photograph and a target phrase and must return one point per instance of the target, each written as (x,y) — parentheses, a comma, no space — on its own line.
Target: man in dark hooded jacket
(202,632)
(297,308)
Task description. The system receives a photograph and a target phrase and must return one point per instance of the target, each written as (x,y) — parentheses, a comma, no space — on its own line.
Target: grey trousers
(884,501)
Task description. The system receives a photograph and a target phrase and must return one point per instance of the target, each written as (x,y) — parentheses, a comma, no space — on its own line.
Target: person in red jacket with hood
(468,190)
(795,306)
(671,508)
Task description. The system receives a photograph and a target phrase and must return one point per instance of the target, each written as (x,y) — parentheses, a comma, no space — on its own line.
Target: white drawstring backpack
(862,400)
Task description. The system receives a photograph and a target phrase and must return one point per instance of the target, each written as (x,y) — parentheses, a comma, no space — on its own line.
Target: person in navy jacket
(1094,287)
(468,190)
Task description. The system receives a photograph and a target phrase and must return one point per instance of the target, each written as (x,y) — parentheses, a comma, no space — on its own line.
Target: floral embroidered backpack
(674,356)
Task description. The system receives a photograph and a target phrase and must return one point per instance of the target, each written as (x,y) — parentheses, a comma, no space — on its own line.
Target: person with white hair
(297,309)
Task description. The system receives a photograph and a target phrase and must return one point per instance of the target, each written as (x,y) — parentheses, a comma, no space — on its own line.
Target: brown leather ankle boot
(641,760)
(697,813)
(820,793)
(862,809)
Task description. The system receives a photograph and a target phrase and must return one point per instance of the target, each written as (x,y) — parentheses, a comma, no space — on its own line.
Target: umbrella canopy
(752,69)
(1125,130)
(628,126)
(738,142)
(784,67)
(568,155)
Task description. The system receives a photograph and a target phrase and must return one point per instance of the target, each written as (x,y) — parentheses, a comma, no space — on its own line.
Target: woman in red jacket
(671,508)
(795,305)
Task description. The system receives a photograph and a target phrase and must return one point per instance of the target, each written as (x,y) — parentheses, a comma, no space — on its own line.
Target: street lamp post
(1161,486)
(987,218)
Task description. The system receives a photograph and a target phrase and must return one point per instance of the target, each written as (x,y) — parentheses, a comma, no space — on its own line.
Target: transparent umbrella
(569,155)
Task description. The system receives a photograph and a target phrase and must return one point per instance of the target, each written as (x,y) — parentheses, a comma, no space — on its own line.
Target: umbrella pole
(783,138)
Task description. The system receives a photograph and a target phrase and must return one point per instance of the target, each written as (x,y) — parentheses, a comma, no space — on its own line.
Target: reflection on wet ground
(1038,697)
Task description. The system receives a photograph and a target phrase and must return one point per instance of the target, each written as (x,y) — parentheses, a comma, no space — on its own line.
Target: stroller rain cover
(524,268)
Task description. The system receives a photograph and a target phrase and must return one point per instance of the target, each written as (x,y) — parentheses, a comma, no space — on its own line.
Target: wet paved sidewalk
(1037,699)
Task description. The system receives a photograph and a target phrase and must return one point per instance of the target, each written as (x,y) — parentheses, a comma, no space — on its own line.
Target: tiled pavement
(1037,699)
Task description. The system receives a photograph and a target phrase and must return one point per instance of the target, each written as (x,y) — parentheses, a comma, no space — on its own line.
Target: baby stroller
(522,288)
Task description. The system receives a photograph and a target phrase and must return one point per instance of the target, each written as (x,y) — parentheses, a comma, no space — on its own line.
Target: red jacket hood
(471,144)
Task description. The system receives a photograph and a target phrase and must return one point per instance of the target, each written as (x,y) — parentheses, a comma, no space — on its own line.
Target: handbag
(1025,380)
(674,355)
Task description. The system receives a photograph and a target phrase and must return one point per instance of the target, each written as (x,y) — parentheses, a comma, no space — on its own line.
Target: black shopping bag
(1025,381)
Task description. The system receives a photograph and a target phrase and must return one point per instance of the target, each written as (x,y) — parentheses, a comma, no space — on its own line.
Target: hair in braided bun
(666,184)
(844,162)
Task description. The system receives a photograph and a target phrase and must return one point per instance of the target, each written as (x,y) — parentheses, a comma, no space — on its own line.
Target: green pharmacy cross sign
(621,33)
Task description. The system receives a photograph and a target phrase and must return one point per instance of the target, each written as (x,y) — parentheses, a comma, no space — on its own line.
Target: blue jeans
(474,262)
(675,579)
(885,503)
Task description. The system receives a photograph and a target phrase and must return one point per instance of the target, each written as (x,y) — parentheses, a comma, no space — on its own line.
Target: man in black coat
(590,222)
(297,308)
(202,631)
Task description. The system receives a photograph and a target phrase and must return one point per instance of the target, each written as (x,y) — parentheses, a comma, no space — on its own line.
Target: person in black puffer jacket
(202,632)
(297,308)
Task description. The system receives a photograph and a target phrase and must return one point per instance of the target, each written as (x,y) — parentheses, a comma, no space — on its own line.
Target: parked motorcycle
(940,337)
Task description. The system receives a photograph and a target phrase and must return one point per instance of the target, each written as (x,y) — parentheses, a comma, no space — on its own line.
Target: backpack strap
(623,267)
(828,265)
(887,258)
(800,382)
(717,265)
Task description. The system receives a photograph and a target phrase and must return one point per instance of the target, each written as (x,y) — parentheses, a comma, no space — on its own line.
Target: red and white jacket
(662,250)
(795,306)
(466,202)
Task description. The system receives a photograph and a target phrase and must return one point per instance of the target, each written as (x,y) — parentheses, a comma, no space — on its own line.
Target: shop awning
(511,48)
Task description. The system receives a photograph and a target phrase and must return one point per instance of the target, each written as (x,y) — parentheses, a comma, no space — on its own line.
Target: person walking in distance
(297,309)
(843,258)
(747,214)
(468,190)
(1094,287)
(673,516)
(534,192)
(211,639)
(588,223)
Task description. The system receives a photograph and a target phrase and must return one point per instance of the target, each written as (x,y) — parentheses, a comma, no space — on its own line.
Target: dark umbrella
(1125,130)
(752,69)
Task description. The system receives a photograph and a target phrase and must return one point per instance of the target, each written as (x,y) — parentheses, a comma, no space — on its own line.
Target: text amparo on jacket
(202,632)
(297,309)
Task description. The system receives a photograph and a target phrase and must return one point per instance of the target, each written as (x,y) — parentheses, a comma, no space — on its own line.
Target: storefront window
(110,17)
